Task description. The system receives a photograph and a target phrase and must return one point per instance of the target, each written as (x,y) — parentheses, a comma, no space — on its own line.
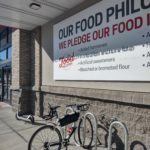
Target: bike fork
(66,140)
(65,143)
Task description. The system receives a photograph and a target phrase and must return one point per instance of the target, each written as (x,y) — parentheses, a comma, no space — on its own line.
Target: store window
(3,41)
(9,52)
(3,55)
(5,63)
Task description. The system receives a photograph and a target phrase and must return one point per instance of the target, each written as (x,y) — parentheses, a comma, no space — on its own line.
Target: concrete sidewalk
(14,134)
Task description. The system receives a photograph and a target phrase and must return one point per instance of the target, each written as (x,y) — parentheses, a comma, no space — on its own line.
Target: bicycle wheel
(46,138)
(76,136)
(88,133)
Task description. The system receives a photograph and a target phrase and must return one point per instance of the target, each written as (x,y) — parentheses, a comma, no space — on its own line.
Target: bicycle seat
(52,112)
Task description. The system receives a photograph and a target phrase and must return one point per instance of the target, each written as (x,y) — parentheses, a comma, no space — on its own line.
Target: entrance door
(6,82)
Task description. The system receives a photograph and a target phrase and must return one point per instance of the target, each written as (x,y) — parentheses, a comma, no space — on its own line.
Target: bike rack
(110,134)
(95,127)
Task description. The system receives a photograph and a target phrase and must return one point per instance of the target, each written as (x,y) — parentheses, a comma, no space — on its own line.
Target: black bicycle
(58,134)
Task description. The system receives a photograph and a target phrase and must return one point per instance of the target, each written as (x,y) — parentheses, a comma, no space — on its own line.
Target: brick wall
(36,69)
(16,58)
(26,69)
(36,58)
(21,60)
(25,58)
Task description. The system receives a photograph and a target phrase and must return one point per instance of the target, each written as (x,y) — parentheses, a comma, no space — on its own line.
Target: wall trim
(107,95)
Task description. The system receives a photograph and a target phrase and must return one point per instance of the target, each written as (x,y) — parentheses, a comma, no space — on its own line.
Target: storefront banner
(107,41)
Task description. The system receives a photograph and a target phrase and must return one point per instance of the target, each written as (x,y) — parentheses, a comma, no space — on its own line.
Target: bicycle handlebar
(81,107)
(53,110)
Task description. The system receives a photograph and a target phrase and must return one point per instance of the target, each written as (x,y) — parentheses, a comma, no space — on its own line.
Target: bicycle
(52,136)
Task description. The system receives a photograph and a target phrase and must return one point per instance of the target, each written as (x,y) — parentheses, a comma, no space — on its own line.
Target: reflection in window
(3,55)
(9,52)
(9,35)
(4,38)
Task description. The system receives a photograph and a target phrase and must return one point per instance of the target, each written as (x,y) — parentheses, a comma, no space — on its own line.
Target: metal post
(110,134)
(95,127)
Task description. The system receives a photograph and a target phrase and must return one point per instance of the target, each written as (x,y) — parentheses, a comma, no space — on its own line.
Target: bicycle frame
(63,130)
(65,136)
(74,124)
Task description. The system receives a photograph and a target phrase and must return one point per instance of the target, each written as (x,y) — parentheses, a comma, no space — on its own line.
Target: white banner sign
(107,41)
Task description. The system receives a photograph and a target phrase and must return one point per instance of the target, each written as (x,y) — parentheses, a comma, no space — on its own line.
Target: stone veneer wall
(135,116)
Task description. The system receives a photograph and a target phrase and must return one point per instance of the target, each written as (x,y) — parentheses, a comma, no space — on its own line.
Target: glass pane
(9,52)
(3,55)
(4,38)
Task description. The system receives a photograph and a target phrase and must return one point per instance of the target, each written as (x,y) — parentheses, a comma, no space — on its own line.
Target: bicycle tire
(89,130)
(46,137)
(76,136)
